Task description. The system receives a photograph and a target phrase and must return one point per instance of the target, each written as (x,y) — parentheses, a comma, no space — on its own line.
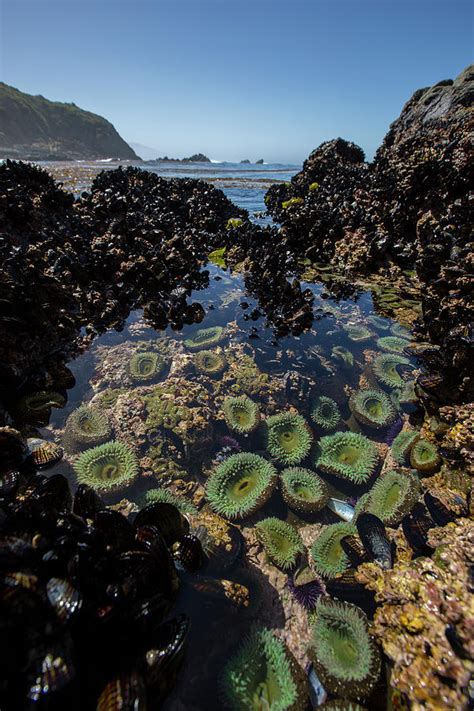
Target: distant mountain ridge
(34,128)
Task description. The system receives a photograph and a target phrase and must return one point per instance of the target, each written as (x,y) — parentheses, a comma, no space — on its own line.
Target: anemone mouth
(348,455)
(329,558)
(240,485)
(108,467)
(345,657)
(260,675)
(288,438)
(303,490)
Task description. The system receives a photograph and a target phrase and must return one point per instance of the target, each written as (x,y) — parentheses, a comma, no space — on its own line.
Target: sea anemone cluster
(241,414)
(86,427)
(393,496)
(204,338)
(329,559)
(108,468)
(261,675)
(281,541)
(288,438)
(345,657)
(303,490)
(240,485)
(348,455)
(372,408)
(325,413)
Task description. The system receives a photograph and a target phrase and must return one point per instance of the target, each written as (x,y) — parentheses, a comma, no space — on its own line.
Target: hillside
(31,127)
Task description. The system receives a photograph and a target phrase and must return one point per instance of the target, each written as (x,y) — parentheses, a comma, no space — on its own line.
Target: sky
(236,79)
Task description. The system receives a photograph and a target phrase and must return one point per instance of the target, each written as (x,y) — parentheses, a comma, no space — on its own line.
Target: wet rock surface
(408,209)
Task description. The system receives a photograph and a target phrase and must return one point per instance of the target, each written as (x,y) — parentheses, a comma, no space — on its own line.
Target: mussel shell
(354,550)
(164,658)
(15,553)
(440,513)
(114,531)
(341,508)
(347,588)
(374,538)
(13,448)
(9,482)
(317,692)
(54,492)
(87,503)
(188,553)
(44,454)
(64,598)
(126,692)
(23,579)
(151,540)
(221,541)
(147,616)
(225,591)
(166,518)
(50,673)
(138,574)
(415,528)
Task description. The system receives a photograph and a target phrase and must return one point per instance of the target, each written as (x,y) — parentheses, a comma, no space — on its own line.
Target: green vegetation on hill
(31,127)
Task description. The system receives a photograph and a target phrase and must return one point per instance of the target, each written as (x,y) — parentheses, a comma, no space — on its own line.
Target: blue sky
(236,78)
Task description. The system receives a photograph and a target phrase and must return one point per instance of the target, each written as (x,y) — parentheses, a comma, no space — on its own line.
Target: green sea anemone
(261,675)
(343,356)
(303,490)
(385,368)
(313,186)
(86,427)
(328,557)
(145,366)
(204,338)
(241,485)
(345,657)
(393,496)
(402,444)
(381,324)
(281,541)
(210,363)
(108,468)
(341,705)
(325,413)
(348,455)
(358,333)
(39,404)
(168,497)
(393,344)
(372,408)
(401,331)
(424,456)
(241,414)
(288,438)
(108,397)
(233,222)
(291,202)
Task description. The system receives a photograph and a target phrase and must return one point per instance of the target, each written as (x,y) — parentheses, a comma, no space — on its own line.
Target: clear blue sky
(236,78)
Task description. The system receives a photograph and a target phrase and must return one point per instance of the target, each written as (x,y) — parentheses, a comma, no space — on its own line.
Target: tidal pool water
(180,405)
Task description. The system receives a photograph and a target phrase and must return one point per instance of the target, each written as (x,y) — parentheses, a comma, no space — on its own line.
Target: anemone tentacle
(288,438)
(204,337)
(385,368)
(402,445)
(347,455)
(325,413)
(107,468)
(241,414)
(281,541)
(372,408)
(86,427)
(393,344)
(328,556)
(145,366)
(163,495)
(393,496)
(210,363)
(303,490)
(424,456)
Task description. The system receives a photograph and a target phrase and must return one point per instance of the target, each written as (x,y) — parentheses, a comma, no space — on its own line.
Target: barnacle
(348,455)
(107,468)
(325,413)
(241,414)
(288,438)
(281,541)
(344,655)
(240,485)
(303,490)
(372,408)
(329,558)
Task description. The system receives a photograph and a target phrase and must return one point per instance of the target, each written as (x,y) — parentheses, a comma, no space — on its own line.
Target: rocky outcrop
(408,209)
(33,128)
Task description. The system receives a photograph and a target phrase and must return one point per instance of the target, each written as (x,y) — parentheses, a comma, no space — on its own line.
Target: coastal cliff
(33,128)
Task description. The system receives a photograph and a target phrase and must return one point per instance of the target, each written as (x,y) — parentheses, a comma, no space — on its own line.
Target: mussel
(374,538)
